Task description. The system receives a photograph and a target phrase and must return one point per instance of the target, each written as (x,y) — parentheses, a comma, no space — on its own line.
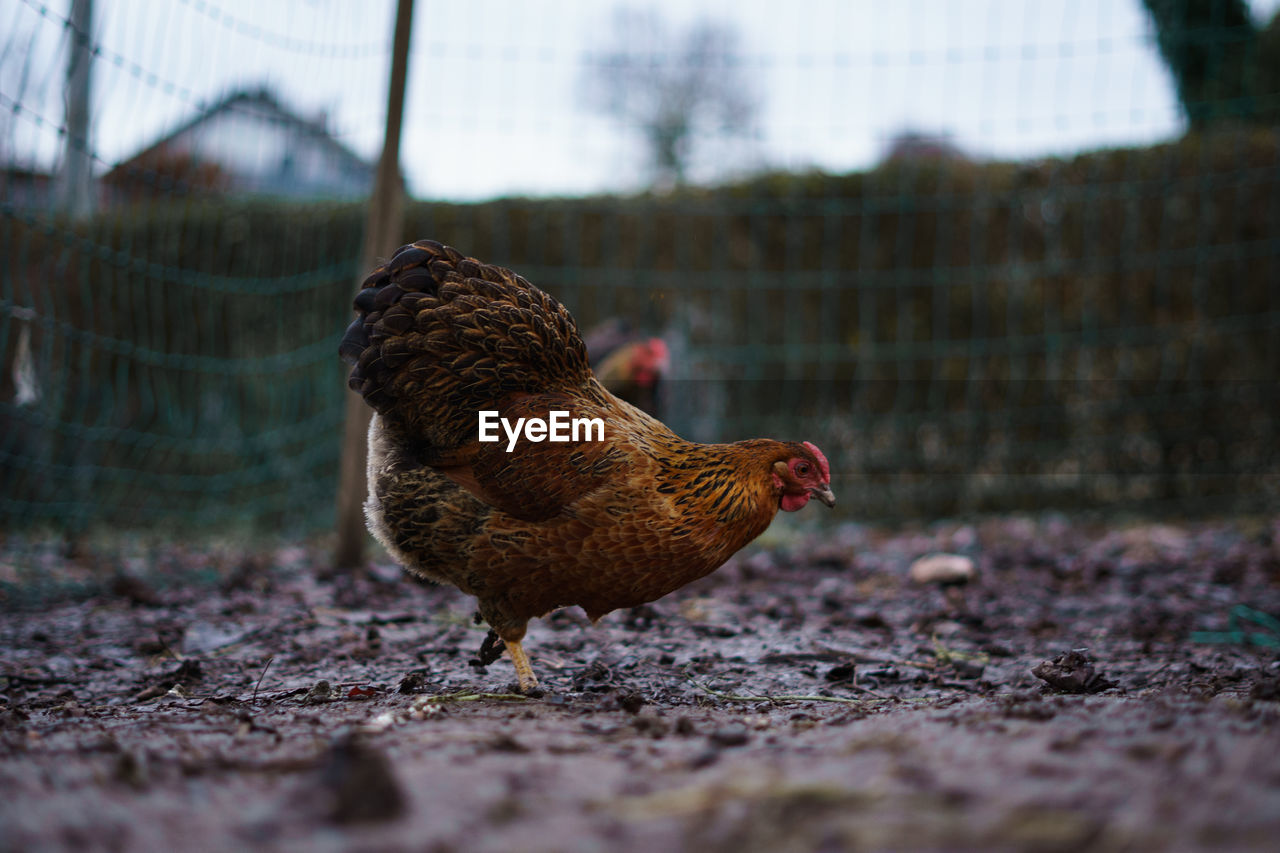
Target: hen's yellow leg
(524,672)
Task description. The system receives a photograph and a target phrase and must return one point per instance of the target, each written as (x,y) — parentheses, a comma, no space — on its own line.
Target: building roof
(260,104)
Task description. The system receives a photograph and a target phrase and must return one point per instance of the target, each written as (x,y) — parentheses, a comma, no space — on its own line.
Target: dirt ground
(808,696)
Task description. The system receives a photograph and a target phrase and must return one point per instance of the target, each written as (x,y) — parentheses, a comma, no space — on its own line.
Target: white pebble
(942,569)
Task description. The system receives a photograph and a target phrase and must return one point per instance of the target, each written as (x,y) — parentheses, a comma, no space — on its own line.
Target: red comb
(822,461)
(657,350)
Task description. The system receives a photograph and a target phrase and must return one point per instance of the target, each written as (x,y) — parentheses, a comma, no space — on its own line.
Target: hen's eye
(802,469)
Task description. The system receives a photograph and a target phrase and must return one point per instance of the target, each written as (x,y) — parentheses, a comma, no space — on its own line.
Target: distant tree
(674,89)
(911,145)
(1268,71)
(1224,67)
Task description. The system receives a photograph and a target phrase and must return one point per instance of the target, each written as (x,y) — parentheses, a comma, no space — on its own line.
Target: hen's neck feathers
(726,491)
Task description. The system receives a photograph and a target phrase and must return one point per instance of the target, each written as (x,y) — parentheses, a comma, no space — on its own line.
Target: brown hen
(601,523)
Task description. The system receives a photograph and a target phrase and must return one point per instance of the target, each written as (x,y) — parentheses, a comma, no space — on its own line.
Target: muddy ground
(809,696)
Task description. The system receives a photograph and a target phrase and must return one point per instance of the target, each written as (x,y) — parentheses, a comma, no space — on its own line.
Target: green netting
(1098,331)
(179,363)
(958,334)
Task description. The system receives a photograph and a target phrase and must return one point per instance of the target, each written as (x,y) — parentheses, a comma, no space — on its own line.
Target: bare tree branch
(674,89)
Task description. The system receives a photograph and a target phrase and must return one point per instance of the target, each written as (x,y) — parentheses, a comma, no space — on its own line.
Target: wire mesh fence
(960,333)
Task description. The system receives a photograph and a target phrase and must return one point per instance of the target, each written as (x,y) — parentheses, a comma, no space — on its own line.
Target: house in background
(246,144)
(26,188)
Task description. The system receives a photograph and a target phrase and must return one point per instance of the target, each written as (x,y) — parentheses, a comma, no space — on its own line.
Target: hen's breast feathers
(672,512)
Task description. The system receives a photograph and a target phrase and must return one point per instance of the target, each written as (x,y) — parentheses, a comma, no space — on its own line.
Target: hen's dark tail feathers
(440,336)
(357,340)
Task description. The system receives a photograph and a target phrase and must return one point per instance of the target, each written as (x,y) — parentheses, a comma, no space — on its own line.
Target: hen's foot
(490,650)
(524,672)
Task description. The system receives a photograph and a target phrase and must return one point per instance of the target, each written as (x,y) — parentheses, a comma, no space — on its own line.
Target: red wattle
(793,502)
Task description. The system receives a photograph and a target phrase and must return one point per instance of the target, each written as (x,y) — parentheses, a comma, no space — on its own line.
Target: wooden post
(383,229)
(75,181)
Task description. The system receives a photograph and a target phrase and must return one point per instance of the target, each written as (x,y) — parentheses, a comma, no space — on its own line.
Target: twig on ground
(946,655)
(876,693)
(469,696)
(262,675)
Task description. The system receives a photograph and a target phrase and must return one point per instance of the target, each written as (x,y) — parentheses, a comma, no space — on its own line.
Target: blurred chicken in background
(629,364)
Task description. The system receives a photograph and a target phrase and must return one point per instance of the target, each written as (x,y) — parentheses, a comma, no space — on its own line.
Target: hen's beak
(824,494)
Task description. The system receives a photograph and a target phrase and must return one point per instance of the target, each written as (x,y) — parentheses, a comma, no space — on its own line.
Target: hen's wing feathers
(440,337)
(536,483)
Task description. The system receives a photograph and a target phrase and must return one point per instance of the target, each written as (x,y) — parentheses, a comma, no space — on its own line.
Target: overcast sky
(494,104)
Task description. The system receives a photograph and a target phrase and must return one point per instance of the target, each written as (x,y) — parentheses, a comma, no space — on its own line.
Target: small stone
(320,693)
(841,672)
(651,725)
(505,742)
(704,759)
(1266,688)
(131,769)
(732,735)
(1072,672)
(944,569)
(632,702)
(967,669)
(413,682)
(362,784)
